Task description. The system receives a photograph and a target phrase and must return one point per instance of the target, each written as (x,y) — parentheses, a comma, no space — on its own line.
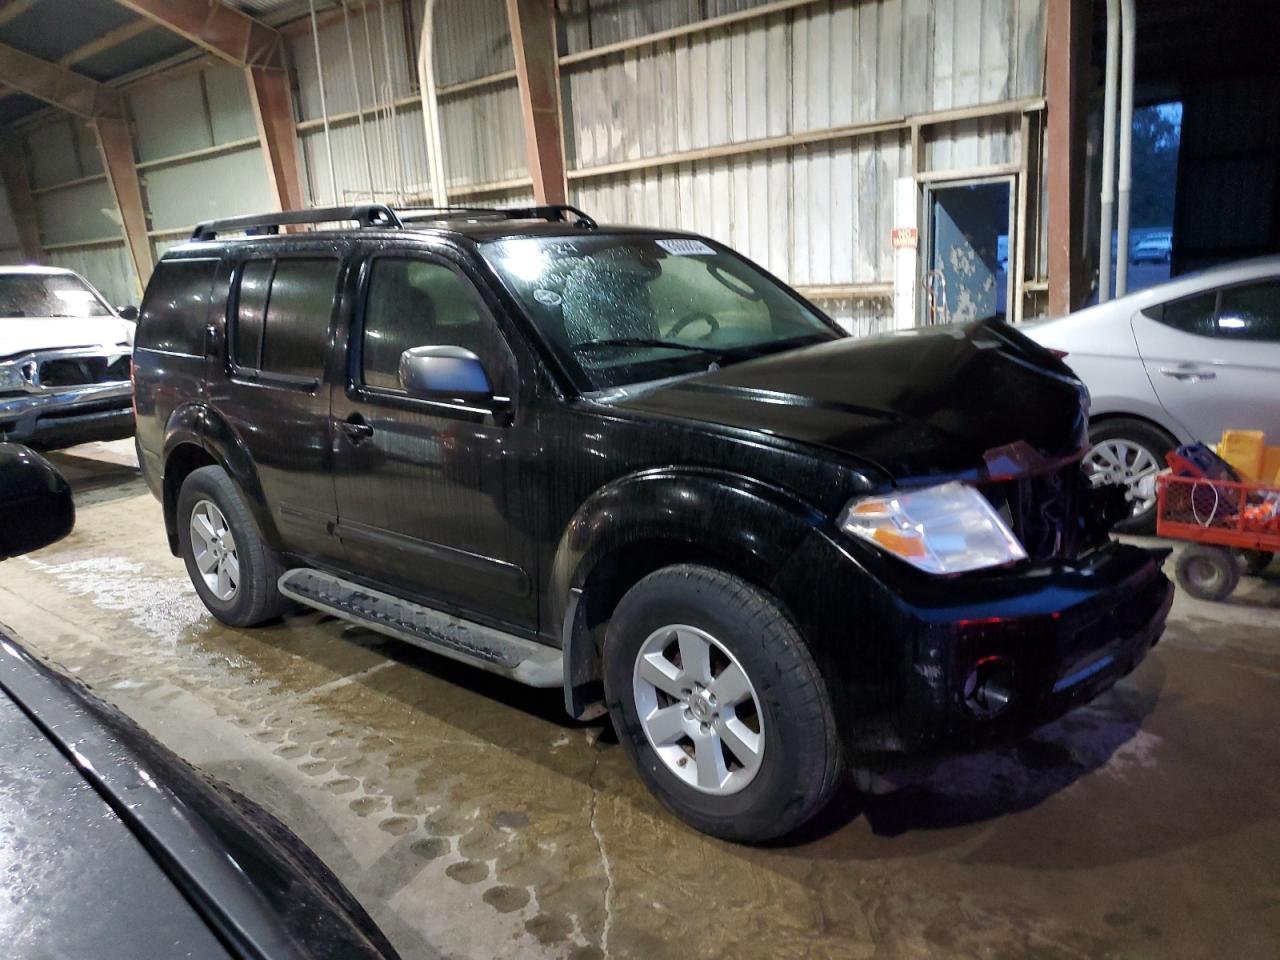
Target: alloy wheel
(698,709)
(213,547)
(1129,464)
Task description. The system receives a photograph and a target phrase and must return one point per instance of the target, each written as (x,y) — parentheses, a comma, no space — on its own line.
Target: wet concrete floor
(473,819)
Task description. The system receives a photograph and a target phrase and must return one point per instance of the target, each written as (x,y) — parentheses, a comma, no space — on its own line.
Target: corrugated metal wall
(77,215)
(197,150)
(195,142)
(482,127)
(816,213)
(397,154)
(819,214)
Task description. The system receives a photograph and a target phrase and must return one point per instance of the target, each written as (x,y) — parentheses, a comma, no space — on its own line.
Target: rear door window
(1190,314)
(176,307)
(1248,311)
(283,311)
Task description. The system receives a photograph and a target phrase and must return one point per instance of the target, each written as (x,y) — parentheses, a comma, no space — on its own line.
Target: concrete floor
(474,820)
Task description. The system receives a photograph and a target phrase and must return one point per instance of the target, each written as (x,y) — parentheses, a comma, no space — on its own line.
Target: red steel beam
(17,186)
(533,37)
(57,85)
(115,144)
(222,30)
(273,112)
(1066,38)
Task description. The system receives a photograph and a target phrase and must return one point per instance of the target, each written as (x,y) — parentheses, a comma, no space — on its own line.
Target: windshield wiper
(744,352)
(637,342)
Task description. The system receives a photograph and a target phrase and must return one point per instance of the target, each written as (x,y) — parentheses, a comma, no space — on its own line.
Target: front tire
(719,704)
(232,568)
(1130,452)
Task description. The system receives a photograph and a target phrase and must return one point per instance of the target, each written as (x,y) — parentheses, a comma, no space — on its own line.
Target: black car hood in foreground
(922,403)
(113,847)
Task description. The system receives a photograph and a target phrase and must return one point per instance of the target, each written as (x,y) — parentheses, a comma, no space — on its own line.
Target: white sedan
(1172,364)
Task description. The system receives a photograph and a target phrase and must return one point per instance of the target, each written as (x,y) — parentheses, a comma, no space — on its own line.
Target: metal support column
(17,187)
(273,113)
(116,147)
(533,37)
(1066,38)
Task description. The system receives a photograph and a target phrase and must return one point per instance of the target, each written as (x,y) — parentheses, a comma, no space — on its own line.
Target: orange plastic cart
(1226,522)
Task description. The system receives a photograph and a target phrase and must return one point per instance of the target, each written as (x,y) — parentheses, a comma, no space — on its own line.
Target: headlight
(11,377)
(949,528)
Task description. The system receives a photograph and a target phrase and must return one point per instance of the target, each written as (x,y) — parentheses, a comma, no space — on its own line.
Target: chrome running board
(533,664)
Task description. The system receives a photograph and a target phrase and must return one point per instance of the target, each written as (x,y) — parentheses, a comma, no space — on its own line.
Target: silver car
(1175,363)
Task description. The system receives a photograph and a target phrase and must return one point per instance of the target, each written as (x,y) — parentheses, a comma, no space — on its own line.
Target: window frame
(1156,310)
(357,389)
(256,375)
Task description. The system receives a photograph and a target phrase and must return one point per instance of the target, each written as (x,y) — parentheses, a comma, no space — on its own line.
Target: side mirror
(444,373)
(127,313)
(36,508)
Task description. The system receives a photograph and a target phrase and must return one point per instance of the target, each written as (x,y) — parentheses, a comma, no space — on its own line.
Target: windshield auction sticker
(686,248)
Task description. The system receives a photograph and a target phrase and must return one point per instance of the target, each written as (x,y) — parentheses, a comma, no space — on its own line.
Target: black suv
(633,464)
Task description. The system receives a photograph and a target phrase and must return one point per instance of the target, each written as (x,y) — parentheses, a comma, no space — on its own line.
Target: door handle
(356,428)
(1188,376)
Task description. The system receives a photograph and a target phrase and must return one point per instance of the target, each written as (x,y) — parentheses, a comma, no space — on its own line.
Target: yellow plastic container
(1247,451)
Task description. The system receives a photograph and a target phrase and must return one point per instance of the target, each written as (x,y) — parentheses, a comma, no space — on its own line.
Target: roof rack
(553,212)
(367,215)
(380,215)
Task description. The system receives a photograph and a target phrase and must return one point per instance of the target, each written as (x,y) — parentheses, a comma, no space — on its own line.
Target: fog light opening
(988,689)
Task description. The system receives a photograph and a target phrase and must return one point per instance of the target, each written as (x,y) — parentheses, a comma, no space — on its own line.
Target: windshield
(626,309)
(48,295)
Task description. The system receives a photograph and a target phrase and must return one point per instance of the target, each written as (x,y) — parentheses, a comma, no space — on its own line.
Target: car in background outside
(1173,364)
(1154,248)
(64,360)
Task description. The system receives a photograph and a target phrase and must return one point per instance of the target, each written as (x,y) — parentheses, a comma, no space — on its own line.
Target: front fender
(751,525)
(747,527)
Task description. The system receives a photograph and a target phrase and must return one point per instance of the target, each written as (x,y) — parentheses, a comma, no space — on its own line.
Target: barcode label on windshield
(686,248)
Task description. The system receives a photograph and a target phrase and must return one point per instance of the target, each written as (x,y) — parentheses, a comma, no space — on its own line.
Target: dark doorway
(969,226)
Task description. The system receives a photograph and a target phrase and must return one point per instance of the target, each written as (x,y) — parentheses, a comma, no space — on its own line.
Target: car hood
(918,405)
(19,335)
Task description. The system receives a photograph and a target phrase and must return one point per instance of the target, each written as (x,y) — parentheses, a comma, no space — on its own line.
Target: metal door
(969,232)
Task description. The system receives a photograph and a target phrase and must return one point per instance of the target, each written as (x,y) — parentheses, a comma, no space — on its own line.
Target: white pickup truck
(64,360)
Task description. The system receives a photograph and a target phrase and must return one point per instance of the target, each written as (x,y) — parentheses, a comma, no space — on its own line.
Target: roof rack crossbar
(555,213)
(367,215)
(446,213)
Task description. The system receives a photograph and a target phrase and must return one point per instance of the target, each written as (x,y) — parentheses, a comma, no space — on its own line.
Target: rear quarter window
(175,308)
(283,309)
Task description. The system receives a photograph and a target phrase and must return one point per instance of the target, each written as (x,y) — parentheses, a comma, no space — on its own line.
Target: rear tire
(1206,572)
(1127,449)
(232,568)
(772,751)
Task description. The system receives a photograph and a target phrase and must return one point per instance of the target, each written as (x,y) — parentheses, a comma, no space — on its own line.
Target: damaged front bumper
(922,666)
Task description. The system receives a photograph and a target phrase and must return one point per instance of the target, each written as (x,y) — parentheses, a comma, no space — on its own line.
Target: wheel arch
(202,438)
(1150,418)
(606,550)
